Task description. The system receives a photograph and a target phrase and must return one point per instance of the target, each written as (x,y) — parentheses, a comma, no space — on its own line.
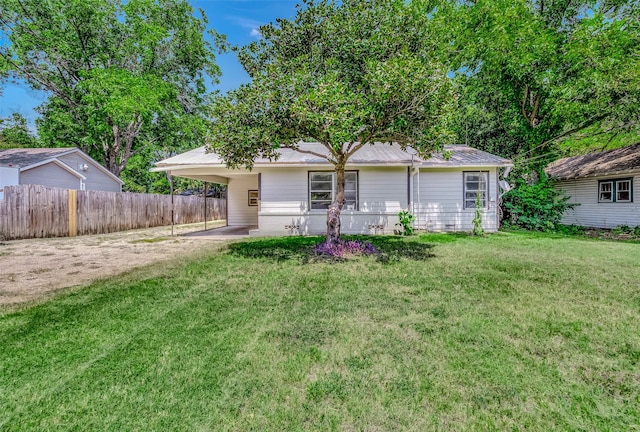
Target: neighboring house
(290,195)
(68,168)
(605,186)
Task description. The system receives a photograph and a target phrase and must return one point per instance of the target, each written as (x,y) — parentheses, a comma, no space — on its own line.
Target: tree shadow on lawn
(301,249)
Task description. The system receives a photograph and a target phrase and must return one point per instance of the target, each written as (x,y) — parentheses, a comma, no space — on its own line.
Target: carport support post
(172,206)
(205,206)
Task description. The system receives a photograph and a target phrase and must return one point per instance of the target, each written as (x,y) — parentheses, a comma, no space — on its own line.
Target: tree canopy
(14,132)
(345,75)
(533,72)
(121,75)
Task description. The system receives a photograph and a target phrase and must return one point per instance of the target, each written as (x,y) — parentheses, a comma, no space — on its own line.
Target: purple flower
(345,247)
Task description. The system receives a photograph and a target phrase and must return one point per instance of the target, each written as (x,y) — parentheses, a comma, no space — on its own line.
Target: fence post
(73,211)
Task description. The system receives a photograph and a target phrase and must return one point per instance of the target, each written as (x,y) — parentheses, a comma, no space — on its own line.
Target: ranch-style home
(290,195)
(604,186)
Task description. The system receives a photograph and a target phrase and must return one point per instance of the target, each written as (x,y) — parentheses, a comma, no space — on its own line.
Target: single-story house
(67,168)
(290,195)
(604,186)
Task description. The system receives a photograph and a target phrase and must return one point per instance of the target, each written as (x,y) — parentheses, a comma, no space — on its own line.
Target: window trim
(464,189)
(333,188)
(614,190)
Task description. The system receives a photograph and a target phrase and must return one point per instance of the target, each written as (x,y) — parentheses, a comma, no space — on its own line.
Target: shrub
(622,229)
(636,231)
(477,219)
(570,229)
(536,207)
(406,222)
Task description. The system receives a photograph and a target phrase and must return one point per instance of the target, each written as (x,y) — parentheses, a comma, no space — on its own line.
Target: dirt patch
(33,269)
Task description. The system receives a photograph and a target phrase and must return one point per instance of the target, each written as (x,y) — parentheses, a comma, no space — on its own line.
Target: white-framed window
(475,182)
(615,190)
(623,190)
(605,193)
(322,189)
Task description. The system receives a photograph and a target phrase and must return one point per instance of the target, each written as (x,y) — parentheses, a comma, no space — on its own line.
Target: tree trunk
(335,209)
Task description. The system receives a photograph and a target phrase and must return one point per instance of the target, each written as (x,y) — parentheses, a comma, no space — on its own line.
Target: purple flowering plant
(343,247)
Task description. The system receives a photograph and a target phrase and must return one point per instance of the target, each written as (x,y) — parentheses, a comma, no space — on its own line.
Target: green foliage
(122,75)
(406,223)
(14,132)
(327,75)
(636,231)
(537,206)
(622,229)
(477,218)
(533,73)
(570,229)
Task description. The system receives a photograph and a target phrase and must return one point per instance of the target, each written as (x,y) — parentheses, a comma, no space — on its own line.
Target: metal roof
(601,163)
(22,157)
(460,155)
(375,154)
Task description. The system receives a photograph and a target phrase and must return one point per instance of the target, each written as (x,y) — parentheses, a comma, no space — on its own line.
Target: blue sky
(238,19)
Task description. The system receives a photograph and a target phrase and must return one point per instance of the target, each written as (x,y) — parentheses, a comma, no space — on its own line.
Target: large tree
(535,72)
(115,70)
(342,74)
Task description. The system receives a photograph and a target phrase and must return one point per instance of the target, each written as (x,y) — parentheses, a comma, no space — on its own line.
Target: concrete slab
(222,233)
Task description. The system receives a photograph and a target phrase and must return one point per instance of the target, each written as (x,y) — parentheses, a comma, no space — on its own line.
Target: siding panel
(50,175)
(240,213)
(591,213)
(438,201)
(96,179)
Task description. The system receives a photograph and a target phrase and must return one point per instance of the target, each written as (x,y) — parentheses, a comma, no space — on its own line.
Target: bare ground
(33,269)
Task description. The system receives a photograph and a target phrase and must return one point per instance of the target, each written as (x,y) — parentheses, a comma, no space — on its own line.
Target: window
(623,191)
(476,183)
(322,189)
(606,192)
(617,190)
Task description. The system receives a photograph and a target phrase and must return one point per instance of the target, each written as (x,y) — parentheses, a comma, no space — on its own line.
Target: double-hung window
(322,189)
(617,190)
(475,183)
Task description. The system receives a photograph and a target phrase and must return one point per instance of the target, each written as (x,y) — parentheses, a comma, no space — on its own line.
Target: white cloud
(256,33)
(248,23)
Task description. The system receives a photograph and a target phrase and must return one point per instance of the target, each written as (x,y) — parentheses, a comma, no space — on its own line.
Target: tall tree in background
(122,75)
(535,72)
(345,75)
(14,132)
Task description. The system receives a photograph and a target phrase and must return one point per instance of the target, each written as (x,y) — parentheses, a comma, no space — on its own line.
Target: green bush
(406,223)
(636,231)
(570,229)
(622,229)
(535,207)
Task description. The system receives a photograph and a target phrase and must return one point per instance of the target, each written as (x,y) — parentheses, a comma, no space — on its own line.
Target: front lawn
(443,332)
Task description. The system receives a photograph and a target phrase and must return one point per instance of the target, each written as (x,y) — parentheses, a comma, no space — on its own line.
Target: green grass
(507,332)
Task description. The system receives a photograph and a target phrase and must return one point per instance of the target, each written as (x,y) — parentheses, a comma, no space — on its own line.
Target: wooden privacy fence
(31,211)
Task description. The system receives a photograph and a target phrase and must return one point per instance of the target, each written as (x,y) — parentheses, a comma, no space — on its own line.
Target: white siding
(382,193)
(9,176)
(96,178)
(439,205)
(591,213)
(239,213)
(50,175)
